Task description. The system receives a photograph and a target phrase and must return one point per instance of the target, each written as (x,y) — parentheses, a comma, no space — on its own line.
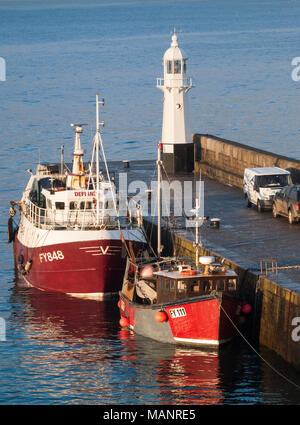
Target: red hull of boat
(93,267)
(198,322)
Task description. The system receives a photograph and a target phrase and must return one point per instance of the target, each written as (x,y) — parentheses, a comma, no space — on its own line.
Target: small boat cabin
(154,284)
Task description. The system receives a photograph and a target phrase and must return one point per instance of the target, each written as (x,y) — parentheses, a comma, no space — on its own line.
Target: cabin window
(60,205)
(181,286)
(220,285)
(177,67)
(88,205)
(72,205)
(231,284)
(195,286)
(207,286)
(184,66)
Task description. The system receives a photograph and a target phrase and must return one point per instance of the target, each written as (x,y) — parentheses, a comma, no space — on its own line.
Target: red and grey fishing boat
(71,237)
(178,303)
(176,300)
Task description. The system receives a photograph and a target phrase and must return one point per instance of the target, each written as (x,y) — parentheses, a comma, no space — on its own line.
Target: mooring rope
(256,352)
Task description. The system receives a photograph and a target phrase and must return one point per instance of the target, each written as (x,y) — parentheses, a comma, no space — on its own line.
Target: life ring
(188,272)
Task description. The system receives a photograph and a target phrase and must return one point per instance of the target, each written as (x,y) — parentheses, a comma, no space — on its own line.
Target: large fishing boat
(71,237)
(178,300)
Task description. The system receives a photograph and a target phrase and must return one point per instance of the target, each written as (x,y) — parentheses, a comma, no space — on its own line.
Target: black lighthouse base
(178,158)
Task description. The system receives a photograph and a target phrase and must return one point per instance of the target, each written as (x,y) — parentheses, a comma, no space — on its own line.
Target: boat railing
(77,219)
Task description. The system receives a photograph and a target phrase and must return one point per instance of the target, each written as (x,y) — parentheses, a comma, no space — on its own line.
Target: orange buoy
(161,316)
(124,322)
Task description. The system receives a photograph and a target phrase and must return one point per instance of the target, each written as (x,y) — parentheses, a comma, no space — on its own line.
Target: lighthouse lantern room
(178,148)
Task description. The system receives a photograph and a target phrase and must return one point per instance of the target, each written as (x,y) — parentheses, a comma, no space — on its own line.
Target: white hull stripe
(98,296)
(202,341)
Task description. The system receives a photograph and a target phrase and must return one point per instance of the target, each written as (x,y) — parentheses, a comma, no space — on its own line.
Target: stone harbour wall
(225,161)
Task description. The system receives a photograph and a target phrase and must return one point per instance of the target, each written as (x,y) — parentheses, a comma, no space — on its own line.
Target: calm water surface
(60,350)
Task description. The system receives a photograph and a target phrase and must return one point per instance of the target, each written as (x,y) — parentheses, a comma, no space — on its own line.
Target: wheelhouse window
(181,286)
(195,287)
(85,205)
(207,286)
(60,205)
(220,285)
(232,285)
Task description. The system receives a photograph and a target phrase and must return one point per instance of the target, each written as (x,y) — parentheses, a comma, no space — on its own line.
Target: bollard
(215,223)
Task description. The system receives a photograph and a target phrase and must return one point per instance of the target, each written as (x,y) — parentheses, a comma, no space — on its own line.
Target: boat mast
(198,220)
(97,146)
(97,142)
(62,160)
(197,231)
(159,247)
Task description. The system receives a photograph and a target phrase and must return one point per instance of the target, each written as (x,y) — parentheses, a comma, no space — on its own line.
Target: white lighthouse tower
(178,148)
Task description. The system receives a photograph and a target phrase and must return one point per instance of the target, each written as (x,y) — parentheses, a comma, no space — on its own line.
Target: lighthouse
(178,148)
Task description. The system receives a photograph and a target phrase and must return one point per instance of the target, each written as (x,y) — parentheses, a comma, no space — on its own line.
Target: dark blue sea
(58,54)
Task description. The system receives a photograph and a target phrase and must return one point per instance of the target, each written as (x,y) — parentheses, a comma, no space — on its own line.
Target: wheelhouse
(172,286)
(167,281)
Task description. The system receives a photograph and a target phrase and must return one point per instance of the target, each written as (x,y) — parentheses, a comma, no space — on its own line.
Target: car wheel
(291,218)
(259,207)
(274,211)
(248,203)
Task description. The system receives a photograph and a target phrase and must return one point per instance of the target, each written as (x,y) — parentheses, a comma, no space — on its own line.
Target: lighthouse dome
(174,52)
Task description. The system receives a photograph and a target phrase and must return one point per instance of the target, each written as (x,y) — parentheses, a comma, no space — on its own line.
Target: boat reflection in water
(191,375)
(182,375)
(74,351)
(61,349)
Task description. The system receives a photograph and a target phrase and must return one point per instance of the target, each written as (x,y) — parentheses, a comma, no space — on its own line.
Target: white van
(261,184)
